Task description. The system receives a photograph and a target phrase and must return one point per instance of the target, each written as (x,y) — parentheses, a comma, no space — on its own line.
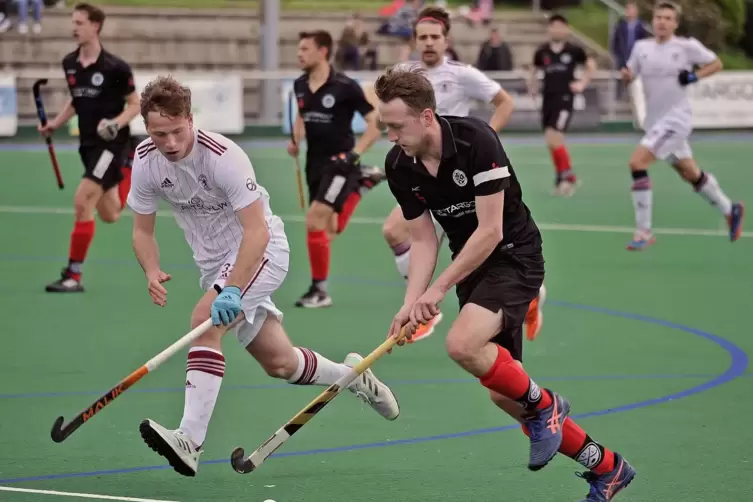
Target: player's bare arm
(299,133)
(481,243)
(504,104)
(423,261)
(130,112)
(147,253)
(62,118)
(709,69)
(370,135)
(579,85)
(533,81)
(252,246)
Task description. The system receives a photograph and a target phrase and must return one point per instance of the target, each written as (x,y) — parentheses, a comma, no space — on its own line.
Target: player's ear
(427,117)
(190,120)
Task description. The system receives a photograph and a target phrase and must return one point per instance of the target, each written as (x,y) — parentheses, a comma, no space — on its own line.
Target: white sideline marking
(300,218)
(79,495)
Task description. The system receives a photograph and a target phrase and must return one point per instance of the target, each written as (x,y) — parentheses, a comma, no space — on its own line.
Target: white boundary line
(79,495)
(299,218)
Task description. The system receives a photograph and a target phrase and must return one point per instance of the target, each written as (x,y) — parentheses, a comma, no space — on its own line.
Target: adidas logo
(189,385)
(166,183)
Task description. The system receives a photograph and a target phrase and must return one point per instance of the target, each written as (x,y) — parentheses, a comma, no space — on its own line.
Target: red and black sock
(318,245)
(561,161)
(508,378)
(81,238)
(348,209)
(579,446)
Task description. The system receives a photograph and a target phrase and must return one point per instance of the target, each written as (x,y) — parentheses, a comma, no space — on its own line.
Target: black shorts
(331,183)
(557,111)
(102,163)
(507,282)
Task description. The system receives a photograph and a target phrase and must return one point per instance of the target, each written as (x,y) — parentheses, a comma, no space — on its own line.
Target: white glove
(108,129)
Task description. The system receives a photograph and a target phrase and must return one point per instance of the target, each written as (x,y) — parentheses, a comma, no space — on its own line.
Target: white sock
(204,373)
(314,369)
(402,261)
(708,188)
(642,200)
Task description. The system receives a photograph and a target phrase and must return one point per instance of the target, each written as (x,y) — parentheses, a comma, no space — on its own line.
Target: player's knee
(459,349)
(316,220)
(394,231)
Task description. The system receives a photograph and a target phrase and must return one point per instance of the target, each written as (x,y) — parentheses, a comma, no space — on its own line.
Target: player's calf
(302,366)
(318,219)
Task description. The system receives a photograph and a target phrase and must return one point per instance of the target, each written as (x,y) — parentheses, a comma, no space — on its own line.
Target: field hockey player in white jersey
(666,66)
(242,253)
(456,87)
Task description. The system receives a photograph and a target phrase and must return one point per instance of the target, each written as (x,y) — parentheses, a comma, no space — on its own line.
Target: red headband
(432,19)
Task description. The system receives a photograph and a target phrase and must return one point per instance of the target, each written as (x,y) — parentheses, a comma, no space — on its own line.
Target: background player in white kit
(665,65)
(456,87)
(242,252)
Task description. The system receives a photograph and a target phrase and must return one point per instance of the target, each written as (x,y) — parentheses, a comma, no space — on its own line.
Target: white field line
(79,495)
(300,218)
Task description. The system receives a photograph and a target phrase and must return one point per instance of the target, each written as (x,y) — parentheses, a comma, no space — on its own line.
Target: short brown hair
(436,15)
(408,83)
(671,6)
(321,38)
(166,96)
(94,14)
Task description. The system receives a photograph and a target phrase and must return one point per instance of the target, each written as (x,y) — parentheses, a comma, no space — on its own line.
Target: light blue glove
(226,306)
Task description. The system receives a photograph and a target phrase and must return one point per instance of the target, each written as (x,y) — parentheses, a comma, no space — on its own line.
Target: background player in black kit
(104,98)
(327,101)
(456,168)
(558,59)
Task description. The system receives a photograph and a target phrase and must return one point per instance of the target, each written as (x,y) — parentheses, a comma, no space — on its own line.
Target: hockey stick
(61,432)
(43,120)
(246,465)
(291,122)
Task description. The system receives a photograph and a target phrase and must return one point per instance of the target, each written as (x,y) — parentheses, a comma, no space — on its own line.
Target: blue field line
(737,367)
(29,145)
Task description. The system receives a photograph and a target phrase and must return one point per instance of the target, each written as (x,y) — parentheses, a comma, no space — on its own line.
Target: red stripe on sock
(124,186)
(348,208)
(206,361)
(318,244)
(508,378)
(561,159)
(81,238)
(309,367)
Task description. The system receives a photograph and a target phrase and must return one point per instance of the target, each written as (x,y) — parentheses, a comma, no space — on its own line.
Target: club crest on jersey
(250,185)
(459,178)
(97,79)
(204,183)
(566,58)
(328,101)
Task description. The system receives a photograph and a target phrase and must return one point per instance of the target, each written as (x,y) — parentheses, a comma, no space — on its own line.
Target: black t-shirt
(559,67)
(473,164)
(328,114)
(99,91)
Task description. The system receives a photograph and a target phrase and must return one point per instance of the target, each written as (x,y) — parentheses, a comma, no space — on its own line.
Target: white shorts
(668,143)
(256,299)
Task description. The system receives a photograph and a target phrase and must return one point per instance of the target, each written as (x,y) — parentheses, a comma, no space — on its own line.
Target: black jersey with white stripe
(474,164)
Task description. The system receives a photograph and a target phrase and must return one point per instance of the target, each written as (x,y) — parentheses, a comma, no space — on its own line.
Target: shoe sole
(650,242)
(371,374)
(157,443)
(738,233)
(539,315)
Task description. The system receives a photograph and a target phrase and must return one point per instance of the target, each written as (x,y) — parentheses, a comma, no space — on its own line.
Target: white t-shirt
(658,66)
(205,190)
(457,85)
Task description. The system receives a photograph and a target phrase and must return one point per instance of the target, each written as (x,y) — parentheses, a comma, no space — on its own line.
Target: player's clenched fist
(292,149)
(156,290)
(227,306)
(426,307)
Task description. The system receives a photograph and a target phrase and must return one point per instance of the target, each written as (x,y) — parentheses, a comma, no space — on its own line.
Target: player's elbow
(259,234)
(492,233)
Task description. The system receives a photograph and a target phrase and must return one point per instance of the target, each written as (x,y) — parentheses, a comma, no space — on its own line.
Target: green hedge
(717,23)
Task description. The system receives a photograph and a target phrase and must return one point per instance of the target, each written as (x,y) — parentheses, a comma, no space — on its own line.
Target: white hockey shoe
(371,391)
(179,450)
